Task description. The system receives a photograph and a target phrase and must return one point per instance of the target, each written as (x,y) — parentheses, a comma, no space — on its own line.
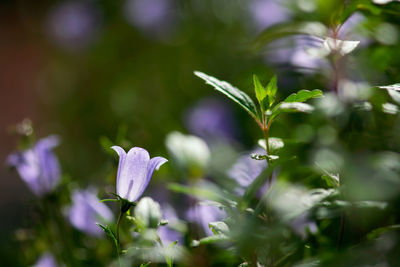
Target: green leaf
(109,200)
(393,91)
(219,228)
(303,95)
(291,107)
(168,259)
(264,157)
(379,231)
(109,233)
(395,87)
(275,144)
(233,93)
(261,93)
(271,90)
(210,240)
(145,264)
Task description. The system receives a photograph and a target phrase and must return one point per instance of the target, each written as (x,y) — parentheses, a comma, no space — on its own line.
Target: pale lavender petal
(267,12)
(48,162)
(49,142)
(153,17)
(103,213)
(38,166)
(301,224)
(246,169)
(168,235)
(122,156)
(154,164)
(204,214)
(211,119)
(73,24)
(133,174)
(27,166)
(46,260)
(87,210)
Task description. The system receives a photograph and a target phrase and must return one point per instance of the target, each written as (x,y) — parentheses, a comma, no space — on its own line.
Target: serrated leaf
(261,93)
(303,95)
(271,90)
(232,92)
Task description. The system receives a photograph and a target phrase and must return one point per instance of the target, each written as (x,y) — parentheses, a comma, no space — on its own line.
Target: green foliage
(303,95)
(266,96)
(233,93)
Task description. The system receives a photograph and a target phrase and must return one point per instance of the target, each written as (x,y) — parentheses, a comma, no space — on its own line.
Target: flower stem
(117,227)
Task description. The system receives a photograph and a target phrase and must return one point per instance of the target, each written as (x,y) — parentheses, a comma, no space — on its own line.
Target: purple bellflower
(86,211)
(266,13)
(38,166)
(245,171)
(203,214)
(135,169)
(73,24)
(46,260)
(211,119)
(166,233)
(155,18)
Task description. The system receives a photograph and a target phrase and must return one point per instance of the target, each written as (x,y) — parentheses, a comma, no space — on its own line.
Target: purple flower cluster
(38,166)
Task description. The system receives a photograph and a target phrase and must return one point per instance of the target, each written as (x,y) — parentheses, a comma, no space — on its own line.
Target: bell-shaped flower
(135,169)
(38,166)
(87,210)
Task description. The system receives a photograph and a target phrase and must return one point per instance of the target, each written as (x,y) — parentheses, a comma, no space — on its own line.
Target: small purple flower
(203,214)
(245,170)
(38,166)
(46,260)
(211,119)
(135,169)
(86,211)
(166,233)
(155,17)
(301,224)
(73,24)
(267,12)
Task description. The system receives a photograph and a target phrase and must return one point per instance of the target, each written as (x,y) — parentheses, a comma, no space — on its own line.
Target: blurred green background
(100,72)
